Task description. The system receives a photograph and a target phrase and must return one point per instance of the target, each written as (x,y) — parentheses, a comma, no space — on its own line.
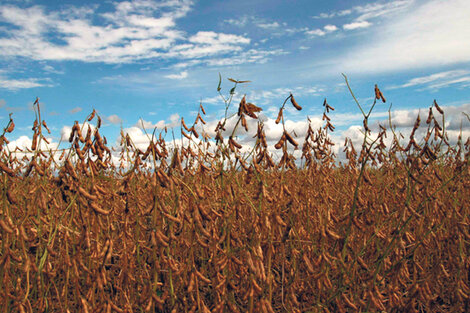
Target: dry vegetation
(191,229)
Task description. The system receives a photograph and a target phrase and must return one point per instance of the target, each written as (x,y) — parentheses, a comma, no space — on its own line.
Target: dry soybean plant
(205,227)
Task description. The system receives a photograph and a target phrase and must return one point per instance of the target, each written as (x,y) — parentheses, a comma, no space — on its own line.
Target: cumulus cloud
(330,28)
(322,32)
(23,143)
(138,30)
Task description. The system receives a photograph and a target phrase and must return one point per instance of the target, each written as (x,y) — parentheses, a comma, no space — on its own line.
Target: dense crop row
(192,229)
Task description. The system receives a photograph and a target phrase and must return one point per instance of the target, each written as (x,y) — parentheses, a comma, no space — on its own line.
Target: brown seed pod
(45,126)
(438,108)
(202,121)
(281,141)
(332,234)
(87,195)
(184,124)
(349,302)
(194,132)
(202,277)
(308,263)
(185,135)
(92,115)
(192,281)
(202,109)
(243,121)
(99,210)
(236,144)
(35,141)
(6,227)
(377,92)
(279,116)
(6,169)
(11,197)
(291,139)
(242,107)
(11,127)
(294,103)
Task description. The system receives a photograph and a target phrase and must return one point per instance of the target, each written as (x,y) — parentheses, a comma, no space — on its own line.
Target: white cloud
(370,10)
(316,32)
(181,75)
(208,43)
(322,32)
(131,33)
(433,34)
(138,30)
(439,80)
(16,84)
(330,28)
(174,118)
(114,119)
(240,22)
(174,121)
(24,143)
(333,14)
(378,9)
(250,56)
(356,25)
(268,25)
(51,69)
(213,38)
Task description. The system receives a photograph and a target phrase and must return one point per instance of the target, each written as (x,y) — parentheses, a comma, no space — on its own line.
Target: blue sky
(156,60)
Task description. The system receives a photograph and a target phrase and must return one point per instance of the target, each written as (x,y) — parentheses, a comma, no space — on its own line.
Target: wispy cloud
(75,110)
(239,22)
(368,11)
(208,43)
(364,13)
(437,37)
(438,80)
(378,9)
(333,14)
(250,56)
(51,69)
